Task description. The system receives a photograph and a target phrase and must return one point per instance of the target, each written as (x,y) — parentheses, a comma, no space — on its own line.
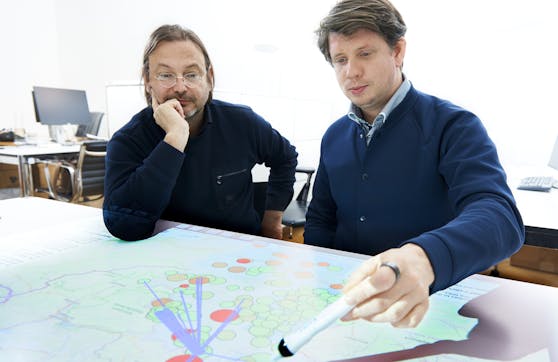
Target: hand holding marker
(289,345)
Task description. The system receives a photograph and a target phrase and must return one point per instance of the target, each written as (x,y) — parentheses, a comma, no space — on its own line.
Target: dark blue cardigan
(431,176)
(209,184)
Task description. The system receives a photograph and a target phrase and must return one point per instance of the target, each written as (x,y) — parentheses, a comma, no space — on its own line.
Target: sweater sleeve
(488,226)
(138,186)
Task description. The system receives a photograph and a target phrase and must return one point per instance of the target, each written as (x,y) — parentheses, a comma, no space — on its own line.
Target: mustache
(182,97)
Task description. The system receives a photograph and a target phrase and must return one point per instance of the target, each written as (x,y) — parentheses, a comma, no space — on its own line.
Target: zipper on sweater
(221,177)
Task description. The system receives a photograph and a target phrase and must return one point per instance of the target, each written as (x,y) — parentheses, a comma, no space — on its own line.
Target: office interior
(498,65)
(496,58)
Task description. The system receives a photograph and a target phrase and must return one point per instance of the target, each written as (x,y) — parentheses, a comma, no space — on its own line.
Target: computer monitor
(56,106)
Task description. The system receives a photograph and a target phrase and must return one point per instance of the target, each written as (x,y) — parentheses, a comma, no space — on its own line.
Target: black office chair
(295,214)
(81,181)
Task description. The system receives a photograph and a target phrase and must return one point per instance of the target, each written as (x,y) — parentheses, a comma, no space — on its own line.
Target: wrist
(423,261)
(178,139)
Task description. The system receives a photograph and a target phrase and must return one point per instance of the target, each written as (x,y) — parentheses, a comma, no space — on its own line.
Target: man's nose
(352,69)
(180,86)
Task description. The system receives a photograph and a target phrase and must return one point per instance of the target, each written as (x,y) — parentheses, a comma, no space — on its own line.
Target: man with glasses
(188,157)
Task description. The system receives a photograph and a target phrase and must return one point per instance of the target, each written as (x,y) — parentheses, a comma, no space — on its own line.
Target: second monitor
(57,107)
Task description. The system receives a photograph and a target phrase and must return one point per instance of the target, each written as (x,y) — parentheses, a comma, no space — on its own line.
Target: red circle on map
(243,260)
(184,286)
(184,358)
(221,315)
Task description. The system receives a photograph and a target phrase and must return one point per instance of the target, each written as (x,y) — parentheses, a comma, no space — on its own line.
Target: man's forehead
(181,52)
(360,38)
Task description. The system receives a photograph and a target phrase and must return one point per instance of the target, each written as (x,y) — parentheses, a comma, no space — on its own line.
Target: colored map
(191,294)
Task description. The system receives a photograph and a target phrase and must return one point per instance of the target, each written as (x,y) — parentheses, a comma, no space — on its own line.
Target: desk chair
(86,176)
(93,127)
(294,215)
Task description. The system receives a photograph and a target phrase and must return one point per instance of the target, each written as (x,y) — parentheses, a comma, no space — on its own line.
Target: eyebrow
(188,67)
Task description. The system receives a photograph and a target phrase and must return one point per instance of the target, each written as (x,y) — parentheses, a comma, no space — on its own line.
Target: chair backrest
(295,213)
(91,128)
(303,194)
(96,118)
(90,176)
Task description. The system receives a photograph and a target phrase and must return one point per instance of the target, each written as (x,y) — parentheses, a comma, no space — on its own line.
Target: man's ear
(399,51)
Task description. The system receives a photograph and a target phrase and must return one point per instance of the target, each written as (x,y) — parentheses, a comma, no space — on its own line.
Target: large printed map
(191,294)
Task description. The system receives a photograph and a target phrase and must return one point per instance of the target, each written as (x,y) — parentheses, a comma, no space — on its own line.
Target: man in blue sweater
(187,157)
(409,178)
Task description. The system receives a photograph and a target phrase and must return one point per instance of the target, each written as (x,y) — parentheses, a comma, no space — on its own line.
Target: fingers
(176,105)
(173,103)
(370,295)
(414,317)
(383,309)
(364,271)
(379,296)
(369,284)
(154,102)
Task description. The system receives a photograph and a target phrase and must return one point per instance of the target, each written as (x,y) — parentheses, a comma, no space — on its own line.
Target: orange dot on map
(336,286)
(323,263)
(156,303)
(221,315)
(281,255)
(273,262)
(237,269)
(243,260)
(184,286)
(204,280)
(184,358)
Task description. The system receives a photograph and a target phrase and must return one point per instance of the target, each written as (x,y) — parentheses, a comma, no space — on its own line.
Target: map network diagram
(193,294)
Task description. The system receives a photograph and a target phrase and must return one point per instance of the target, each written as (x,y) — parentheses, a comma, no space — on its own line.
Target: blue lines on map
(193,342)
(5,296)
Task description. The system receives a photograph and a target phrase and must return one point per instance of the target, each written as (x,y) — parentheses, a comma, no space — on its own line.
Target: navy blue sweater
(430,176)
(209,184)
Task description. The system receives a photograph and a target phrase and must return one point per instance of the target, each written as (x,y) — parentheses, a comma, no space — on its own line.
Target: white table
(70,291)
(23,156)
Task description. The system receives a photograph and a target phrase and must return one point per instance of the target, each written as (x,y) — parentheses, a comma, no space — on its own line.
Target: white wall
(495,57)
(29,40)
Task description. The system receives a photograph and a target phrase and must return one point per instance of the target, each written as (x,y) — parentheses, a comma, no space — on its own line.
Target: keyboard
(536,183)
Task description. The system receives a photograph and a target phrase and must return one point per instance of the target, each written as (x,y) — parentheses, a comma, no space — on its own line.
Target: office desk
(23,156)
(539,211)
(69,291)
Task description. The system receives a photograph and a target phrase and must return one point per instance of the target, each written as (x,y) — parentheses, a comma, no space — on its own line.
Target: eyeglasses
(168,80)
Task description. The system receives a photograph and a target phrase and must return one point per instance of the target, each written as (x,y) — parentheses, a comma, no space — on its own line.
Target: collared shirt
(356,114)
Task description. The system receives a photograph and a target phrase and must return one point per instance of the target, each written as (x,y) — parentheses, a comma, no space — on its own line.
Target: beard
(190,116)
